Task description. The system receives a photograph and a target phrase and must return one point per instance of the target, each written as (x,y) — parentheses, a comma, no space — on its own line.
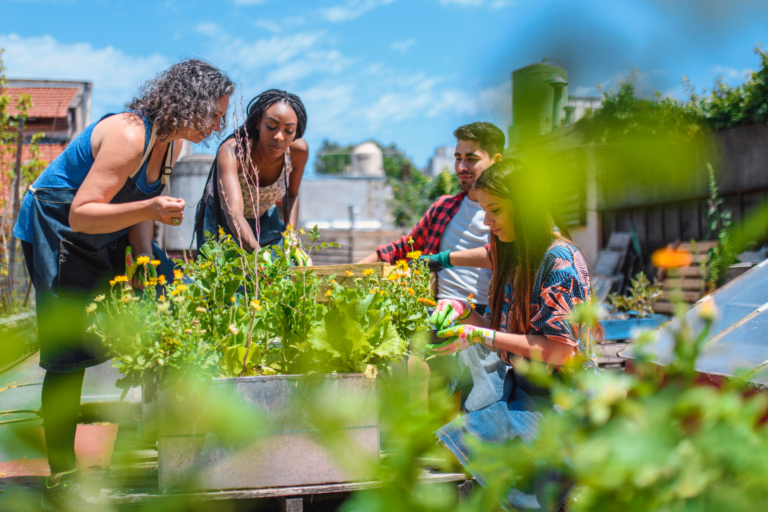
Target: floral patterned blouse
(561,284)
(267,196)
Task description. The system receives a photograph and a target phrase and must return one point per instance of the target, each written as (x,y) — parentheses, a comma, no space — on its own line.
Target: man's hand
(461,338)
(439,261)
(449,310)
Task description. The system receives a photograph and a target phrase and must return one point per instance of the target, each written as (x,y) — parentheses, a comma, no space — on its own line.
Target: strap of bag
(288,169)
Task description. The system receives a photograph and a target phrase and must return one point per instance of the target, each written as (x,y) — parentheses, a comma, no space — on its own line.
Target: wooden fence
(354,245)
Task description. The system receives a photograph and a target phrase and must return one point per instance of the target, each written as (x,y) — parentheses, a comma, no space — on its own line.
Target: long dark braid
(261,104)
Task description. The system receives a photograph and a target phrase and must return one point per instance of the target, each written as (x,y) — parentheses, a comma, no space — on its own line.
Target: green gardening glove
(439,261)
(448,311)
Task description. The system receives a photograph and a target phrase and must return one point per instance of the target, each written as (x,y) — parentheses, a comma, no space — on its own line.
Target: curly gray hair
(186,95)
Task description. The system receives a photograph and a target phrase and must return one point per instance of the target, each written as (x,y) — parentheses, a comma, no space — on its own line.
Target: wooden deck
(132,480)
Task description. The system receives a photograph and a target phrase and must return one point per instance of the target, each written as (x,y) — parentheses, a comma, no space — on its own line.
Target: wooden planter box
(257,432)
(381,270)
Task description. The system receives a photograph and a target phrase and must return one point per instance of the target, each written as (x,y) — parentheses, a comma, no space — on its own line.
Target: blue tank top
(69,170)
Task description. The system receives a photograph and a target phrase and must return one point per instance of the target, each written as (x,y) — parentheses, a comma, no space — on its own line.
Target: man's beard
(466,186)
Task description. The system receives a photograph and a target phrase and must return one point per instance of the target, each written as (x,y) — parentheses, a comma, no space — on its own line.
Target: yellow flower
(232,299)
(256,304)
(416,272)
(402,265)
(99,298)
(289,227)
(121,279)
(152,281)
(349,274)
(179,289)
(161,298)
(302,231)
(410,240)
(221,231)
(112,282)
(368,272)
(155,263)
(374,291)
(470,297)
(329,293)
(394,276)
(161,279)
(333,281)
(177,274)
(410,290)
(413,255)
(142,260)
(429,302)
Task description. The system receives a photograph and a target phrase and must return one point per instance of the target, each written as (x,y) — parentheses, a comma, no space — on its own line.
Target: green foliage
(333,158)
(718,226)
(230,313)
(412,198)
(641,296)
(725,107)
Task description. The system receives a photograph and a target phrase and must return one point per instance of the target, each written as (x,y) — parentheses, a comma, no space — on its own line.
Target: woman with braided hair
(259,164)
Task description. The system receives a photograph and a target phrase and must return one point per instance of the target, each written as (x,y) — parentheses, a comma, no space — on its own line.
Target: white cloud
(116,76)
(351,9)
(269,26)
(403,46)
(732,75)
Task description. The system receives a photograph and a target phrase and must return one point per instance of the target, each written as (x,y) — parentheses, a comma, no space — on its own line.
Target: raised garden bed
(258,432)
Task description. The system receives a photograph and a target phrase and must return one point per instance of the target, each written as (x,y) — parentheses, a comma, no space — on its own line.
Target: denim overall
(71,268)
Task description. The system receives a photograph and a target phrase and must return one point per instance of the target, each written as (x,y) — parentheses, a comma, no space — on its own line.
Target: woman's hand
(168,210)
(449,310)
(460,338)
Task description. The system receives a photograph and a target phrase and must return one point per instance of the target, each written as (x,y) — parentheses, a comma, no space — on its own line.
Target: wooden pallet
(684,284)
(132,480)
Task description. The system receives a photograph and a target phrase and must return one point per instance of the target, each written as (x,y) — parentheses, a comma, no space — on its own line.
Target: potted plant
(633,313)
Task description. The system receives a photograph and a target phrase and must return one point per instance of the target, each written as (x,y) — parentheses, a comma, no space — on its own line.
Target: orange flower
(428,302)
(471,296)
(349,274)
(667,257)
(410,290)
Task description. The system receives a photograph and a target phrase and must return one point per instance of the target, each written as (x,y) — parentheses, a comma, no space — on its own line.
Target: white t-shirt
(465,231)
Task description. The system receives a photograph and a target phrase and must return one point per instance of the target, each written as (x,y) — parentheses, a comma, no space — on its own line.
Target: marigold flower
(302,231)
(161,279)
(470,297)
(416,272)
(329,293)
(161,298)
(667,257)
(177,274)
(402,265)
(410,240)
(179,289)
(410,290)
(368,272)
(121,279)
(155,263)
(142,260)
(413,255)
(349,274)
(112,282)
(429,302)
(256,304)
(333,281)
(221,231)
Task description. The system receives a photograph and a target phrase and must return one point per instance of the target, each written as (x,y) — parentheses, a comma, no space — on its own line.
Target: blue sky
(403,71)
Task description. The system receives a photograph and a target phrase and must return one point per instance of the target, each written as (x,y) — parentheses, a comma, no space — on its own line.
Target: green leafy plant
(718,226)
(642,295)
(230,313)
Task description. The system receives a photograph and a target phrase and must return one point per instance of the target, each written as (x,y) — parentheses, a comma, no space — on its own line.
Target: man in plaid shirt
(455,223)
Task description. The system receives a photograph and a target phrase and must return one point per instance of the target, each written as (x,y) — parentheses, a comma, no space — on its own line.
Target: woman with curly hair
(99,196)
(539,277)
(259,164)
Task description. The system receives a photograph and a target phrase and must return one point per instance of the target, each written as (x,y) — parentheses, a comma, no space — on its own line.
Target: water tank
(539,93)
(367,160)
(187,182)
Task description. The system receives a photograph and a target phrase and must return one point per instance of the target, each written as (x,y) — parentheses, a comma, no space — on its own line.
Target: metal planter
(257,432)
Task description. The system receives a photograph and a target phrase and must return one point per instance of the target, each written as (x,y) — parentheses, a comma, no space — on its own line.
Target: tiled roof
(46,101)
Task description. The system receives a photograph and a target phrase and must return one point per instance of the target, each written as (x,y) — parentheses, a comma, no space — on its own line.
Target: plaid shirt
(427,232)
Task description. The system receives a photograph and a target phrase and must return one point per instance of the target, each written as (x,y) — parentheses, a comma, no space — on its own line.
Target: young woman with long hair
(259,164)
(539,277)
(100,195)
